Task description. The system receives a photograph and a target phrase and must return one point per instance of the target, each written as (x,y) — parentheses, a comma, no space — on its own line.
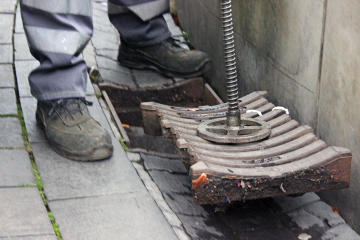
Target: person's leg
(140,22)
(146,40)
(57,32)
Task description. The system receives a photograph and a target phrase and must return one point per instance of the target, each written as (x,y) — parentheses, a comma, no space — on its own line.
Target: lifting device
(235,154)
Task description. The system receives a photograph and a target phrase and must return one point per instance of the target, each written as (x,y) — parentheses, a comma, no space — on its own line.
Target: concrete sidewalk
(101,200)
(44,196)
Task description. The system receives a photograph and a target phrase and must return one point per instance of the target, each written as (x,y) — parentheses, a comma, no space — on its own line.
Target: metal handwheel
(249,130)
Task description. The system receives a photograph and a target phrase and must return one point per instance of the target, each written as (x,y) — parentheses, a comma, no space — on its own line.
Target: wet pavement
(271,218)
(141,194)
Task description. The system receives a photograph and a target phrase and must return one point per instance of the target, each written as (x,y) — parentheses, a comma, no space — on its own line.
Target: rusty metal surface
(249,130)
(290,160)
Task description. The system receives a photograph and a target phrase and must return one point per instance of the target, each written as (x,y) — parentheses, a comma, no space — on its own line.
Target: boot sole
(135,62)
(94,154)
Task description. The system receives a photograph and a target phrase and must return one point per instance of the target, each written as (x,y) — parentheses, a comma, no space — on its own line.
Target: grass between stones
(26,186)
(28,148)
(121,141)
(55,225)
(37,177)
(27,145)
(8,115)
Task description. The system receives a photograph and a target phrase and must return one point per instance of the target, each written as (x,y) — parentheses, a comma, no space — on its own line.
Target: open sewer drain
(186,105)
(251,220)
(186,93)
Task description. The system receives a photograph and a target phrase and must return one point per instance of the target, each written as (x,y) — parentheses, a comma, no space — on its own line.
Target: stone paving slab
(6,55)
(181,234)
(106,63)
(158,198)
(23,213)
(7,6)
(99,12)
(102,43)
(152,143)
(118,78)
(89,49)
(100,5)
(198,228)
(184,204)
(173,219)
(117,216)
(289,204)
(108,36)
(325,213)
(23,69)
(90,60)
(340,232)
(35,133)
(7,101)
(314,217)
(21,48)
(308,222)
(174,29)
(89,55)
(41,237)
(103,29)
(7,76)
(111,54)
(97,113)
(15,168)
(101,20)
(63,178)
(151,79)
(10,132)
(89,88)
(167,17)
(19,28)
(160,163)
(171,182)
(6,24)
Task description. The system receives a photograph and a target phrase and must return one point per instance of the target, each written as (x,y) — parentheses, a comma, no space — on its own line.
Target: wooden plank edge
(123,133)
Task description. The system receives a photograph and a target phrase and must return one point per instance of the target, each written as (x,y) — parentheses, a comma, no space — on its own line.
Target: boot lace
(173,42)
(67,107)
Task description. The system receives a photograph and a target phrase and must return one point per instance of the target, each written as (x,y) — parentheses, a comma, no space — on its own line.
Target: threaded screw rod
(230,63)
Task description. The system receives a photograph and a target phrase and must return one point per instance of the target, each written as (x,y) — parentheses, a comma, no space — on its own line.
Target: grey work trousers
(58,31)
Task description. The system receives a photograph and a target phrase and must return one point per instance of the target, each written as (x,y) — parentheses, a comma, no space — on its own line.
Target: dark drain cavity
(126,101)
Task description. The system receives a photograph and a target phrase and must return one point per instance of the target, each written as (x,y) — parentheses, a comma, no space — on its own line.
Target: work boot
(168,57)
(71,131)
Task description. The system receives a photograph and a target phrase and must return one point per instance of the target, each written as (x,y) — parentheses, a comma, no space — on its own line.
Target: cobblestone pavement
(130,196)
(272,219)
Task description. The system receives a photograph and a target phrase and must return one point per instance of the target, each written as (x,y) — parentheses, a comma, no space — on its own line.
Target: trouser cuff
(59,95)
(157,40)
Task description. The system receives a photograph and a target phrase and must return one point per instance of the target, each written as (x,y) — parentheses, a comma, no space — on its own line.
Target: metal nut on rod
(233,119)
